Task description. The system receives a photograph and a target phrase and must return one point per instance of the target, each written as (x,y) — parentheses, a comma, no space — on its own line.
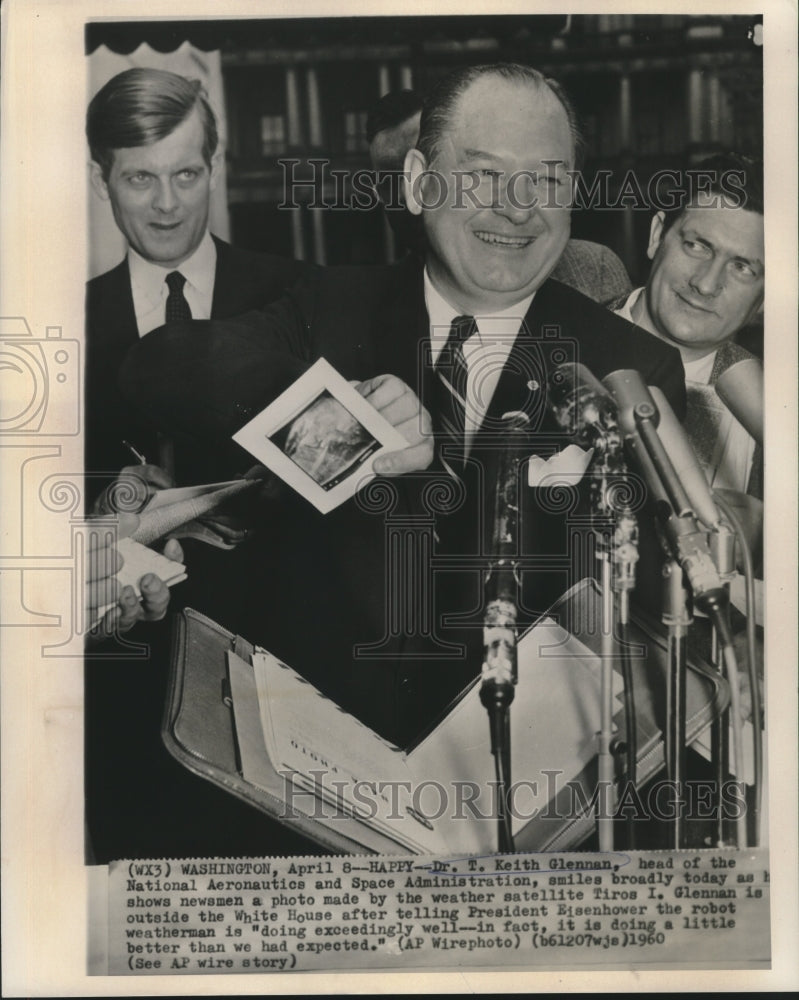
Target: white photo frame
(291,437)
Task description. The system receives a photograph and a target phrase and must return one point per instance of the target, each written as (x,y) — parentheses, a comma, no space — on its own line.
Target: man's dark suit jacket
(140,801)
(325,587)
(244,280)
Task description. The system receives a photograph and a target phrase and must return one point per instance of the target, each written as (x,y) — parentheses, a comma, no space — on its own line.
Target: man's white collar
(198,270)
(441,312)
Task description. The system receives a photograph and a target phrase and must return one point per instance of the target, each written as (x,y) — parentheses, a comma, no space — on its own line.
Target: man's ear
(98,181)
(414,167)
(216,169)
(757,312)
(655,234)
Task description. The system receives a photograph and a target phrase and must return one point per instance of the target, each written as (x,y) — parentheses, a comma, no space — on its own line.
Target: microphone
(740,388)
(584,407)
(639,418)
(502,579)
(685,462)
(502,585)
(629,388)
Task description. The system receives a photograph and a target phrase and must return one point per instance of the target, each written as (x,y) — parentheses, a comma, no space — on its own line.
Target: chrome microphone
(639,419)
(502,587)
(502,580)
(685,462)
(584,407)
(587,410)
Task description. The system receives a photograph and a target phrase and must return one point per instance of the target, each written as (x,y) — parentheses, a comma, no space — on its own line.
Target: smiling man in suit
(154,156)
(481,327)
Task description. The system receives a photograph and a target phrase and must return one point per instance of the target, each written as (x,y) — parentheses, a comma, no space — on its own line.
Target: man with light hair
(155,157)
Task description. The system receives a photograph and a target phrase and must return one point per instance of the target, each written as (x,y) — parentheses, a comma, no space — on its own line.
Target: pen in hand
(150,477)
(136,454)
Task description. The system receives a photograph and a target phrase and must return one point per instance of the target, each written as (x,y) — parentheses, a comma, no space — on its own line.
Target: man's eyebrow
(478,154)
(753,262)
(691,234)
(198,164)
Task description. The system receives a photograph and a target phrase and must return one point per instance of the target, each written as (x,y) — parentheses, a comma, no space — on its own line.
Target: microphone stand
(617,551)
(605,740)
(691,555)
(676,616)
(584,407)
(704,561)
(501,588)
(625,556)
(722,544)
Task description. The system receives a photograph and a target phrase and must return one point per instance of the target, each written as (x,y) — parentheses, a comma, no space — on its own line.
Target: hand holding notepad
(139,561)
(166,513)
(113,564)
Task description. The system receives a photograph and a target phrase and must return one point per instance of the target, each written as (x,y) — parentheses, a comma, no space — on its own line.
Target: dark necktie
(177,308)
(452,372)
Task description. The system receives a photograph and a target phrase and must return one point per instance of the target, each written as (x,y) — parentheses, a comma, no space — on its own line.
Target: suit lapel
(523,382)
(401,341)
(121,331)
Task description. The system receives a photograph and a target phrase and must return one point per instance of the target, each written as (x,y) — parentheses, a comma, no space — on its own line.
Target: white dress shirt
(485,352)
(150,291)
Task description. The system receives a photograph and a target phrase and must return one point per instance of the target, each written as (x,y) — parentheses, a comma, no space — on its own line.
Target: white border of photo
(255,436)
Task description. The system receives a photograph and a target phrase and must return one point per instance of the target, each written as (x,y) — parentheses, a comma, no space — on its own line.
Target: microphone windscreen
(628,388)
(206,378)
(741,390)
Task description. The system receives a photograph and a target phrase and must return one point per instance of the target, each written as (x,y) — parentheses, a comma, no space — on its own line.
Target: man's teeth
(504,241)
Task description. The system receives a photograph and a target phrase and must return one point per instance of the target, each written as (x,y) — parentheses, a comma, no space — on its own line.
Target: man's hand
(103,562)
(401,407)
(132,488)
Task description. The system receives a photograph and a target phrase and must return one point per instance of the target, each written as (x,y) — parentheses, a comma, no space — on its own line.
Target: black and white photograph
(321,437)
(398,454)
(327,442)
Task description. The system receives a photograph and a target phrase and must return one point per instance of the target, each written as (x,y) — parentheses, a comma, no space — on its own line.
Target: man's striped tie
(452,372)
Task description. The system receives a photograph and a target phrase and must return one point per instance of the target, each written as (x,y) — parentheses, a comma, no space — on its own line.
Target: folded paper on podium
(239,717)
